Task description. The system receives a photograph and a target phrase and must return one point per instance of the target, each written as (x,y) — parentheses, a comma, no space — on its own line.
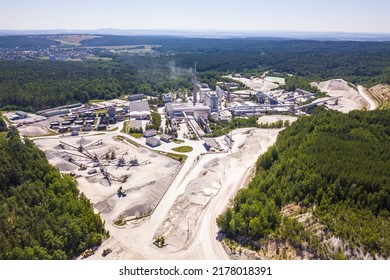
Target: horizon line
(195,30)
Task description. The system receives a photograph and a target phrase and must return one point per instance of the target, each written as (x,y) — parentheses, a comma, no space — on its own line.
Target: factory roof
(139,106)
(185,107)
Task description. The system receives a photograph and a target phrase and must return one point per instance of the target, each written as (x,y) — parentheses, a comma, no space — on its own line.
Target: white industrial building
(167,97)
(177,109)
(211,99)
(220,92)
(139,110)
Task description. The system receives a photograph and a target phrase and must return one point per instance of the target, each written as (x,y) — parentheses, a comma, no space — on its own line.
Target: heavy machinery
(121,162)
(82,149)
(109,177)
(81,166)
(120,192)
(134,162)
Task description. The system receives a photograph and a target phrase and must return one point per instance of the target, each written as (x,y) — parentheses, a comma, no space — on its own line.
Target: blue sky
(248,15)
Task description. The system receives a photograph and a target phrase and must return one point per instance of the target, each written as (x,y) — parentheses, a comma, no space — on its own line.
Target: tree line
(43,215)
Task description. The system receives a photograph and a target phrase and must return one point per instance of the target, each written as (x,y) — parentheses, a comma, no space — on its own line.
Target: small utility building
(153,142)
(166,138)
(150,133)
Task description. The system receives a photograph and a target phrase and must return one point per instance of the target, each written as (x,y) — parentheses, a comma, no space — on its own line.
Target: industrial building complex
(204,105)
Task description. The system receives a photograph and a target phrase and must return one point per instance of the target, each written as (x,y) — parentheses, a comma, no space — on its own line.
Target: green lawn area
(136,135)
(183,149)
(97,101)
(177,157)
(178,141)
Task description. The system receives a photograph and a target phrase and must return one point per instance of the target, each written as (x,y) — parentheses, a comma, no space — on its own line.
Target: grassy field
(174,156)
(73,40)
(381,94)
(98,58)
(183,149)
(96,101)
(125,47)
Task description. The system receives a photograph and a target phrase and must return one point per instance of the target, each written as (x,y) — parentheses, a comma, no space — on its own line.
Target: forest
(335,166)
(42,213)
(37,85)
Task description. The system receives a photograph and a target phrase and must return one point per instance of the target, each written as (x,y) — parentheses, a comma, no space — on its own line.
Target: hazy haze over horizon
(245,15)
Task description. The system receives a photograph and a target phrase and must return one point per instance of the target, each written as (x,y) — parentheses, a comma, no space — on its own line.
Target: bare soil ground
(381,94)
(257,84)
(274,118)
(350,97)
(75,39)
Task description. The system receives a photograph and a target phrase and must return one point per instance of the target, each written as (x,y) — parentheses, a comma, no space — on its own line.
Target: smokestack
(228,93)
(194,95)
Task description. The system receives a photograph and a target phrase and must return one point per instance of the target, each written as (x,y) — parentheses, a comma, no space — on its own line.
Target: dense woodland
(3,125)
(35,85)
(42,213)
(26,42)
(335,165)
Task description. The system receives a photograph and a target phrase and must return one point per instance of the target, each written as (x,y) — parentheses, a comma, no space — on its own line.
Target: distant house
(101,127)
(54,124)
(87,128)
(150,133)
(63,129)
(153,142)
(167,98)
(166,138)
(75,128)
